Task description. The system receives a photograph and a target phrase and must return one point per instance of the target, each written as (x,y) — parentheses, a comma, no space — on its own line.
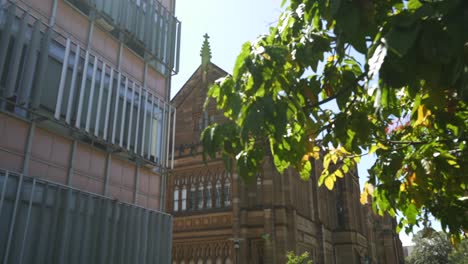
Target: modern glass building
(85,125)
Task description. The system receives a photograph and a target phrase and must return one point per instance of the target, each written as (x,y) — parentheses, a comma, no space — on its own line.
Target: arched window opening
(218,194)
(192,197)
(200,195)
(176,199)
(208,195)
(184,198)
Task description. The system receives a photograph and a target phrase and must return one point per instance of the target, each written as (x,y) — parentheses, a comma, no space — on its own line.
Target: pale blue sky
(229,23)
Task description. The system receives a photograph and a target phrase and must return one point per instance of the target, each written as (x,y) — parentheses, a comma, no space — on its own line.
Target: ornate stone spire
(205,52)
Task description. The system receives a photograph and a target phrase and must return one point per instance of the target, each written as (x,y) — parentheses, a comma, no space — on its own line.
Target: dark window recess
(136,46)
(81,5)
(115,32)
(6,69)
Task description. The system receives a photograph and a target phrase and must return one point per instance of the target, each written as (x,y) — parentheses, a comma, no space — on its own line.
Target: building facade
(220,218)
(85,123)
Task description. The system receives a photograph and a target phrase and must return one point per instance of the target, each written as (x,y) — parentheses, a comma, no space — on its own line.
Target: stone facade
(220,218)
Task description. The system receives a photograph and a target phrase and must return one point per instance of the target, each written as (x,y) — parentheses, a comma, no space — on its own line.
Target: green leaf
(240,62)
(414,4)
(326,161)
(330,182)
(415,53)
(411,212)
(306,169)
(338,173)
(345,168)
(400,40)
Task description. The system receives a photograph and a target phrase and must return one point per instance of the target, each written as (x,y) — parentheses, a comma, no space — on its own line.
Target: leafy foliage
(292,258)
(459,255)
(435,247)
(430,248)
(398,73)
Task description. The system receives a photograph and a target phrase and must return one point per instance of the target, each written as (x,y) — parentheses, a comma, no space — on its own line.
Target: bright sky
(229,23)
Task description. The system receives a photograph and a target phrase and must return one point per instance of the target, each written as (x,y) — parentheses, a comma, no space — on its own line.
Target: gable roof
(214,72)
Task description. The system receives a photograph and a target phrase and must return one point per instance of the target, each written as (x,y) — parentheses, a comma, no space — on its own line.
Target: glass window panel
(200,197)
(192,199)
(176,200)
(52,78)
(227,193)
(184,199)
(208,196)
(218,195)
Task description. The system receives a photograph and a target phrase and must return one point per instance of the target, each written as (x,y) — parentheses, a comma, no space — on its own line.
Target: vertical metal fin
(178,47)
(144,116)
(109,95)
(30,65)
(6,35)
(138,116)
(63,78)
(2,195)
(91,95)
(73,85)
(13,219)
(82,90)
(42,69)
(28,216)
(15,59)
(116,108)
(130,125)
(150,138)
(124,110)
(101,90)
(173,137)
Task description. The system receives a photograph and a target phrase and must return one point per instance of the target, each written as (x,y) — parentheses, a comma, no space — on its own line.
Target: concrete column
(137,182)
(28,147)
(107,172)
(92,18)
(71,163)
(53,13)
(162,192)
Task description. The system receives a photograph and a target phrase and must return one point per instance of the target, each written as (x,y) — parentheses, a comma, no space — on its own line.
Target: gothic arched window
(208,195)
(200,195)
(176,199)
(218,192)
(192,197)
(184,198)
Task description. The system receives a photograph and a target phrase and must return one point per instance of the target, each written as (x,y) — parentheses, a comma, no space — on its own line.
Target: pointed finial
(205,52)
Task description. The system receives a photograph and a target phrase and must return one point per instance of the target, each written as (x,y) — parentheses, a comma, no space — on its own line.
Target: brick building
(85,121)
(218,218)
